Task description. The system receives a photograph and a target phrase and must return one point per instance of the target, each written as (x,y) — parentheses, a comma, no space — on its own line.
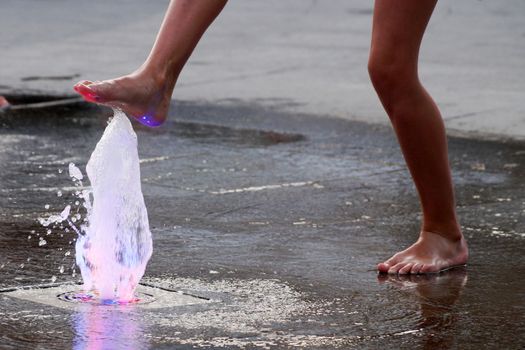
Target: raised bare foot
(430,254)
(138,95)
(4,104)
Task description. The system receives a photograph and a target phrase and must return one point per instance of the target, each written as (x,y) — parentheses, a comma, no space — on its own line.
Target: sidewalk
(301,56)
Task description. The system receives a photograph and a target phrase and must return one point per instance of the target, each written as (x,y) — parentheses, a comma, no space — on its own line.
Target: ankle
(451,230)
(162,76)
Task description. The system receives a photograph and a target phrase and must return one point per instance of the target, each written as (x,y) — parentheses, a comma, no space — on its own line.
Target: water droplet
(68,253)
(22,266)
(60,171)
(59,194)
(48,232)
(29,237)
(61,269)
(77,202)
(74,219)
(46,206)
(75,172)
(42,242)
(53,279)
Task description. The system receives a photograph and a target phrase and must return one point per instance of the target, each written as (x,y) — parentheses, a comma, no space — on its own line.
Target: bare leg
(146,93)
(398,29)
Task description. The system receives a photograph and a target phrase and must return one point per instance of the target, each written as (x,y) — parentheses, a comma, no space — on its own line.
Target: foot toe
(427,268)
(405,269)
(383,267)
(85,89)
(83,83)
(416,268)
(395,269)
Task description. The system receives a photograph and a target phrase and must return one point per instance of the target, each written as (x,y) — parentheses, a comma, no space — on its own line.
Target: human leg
(146,93)
(398,29)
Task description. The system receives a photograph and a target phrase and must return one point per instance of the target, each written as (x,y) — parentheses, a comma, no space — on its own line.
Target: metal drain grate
(69,296)
(91,298)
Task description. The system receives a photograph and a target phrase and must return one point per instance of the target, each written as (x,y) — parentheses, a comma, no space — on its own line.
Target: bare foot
(4,104)
(138,95)
(430,254)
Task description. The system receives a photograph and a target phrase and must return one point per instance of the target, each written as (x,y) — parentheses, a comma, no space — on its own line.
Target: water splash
(114,240)
(113,253)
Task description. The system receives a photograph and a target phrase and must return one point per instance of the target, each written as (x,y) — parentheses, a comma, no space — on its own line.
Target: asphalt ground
(278,217)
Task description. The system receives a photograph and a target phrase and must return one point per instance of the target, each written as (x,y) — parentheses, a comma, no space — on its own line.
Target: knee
(390,73)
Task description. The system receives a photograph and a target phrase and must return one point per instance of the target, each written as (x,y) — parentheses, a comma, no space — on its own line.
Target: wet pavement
(278,219)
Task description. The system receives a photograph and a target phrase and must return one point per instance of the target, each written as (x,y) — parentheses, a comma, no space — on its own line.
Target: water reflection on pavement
(436,295)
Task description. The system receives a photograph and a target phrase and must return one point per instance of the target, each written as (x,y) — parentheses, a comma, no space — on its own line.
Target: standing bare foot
(139,95)
(430,254)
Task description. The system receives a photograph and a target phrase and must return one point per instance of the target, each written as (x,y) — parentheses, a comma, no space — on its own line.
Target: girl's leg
(398,28)
(146,93)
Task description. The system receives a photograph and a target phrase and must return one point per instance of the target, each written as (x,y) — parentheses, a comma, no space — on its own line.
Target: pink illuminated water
(114,244)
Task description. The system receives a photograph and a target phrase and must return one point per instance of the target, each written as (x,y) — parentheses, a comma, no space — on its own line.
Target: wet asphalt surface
(297,208)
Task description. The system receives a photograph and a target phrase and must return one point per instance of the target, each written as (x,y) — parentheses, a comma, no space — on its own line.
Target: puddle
(243,137)
(29,112)
(32,102)
(50,77)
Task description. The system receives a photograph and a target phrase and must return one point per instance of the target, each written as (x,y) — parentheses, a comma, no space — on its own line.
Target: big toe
(87,89)
(84,84)
(383,267)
